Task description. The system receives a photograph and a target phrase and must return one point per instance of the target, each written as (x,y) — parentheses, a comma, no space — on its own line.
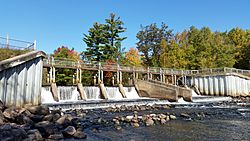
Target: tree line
(159,46)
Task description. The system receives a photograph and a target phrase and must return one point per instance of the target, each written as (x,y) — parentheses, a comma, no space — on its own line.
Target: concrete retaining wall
(154,90)
(186,93)
(21,79)
(221,85)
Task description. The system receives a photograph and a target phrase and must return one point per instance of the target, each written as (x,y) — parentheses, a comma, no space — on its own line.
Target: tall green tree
(240,40)
(95,40)
(150,38)
(104,40)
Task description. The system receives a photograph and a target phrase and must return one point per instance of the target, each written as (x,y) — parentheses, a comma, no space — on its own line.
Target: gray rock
(149,122)
(167,118)
(22,119)
(185,115)
(79,135)
(118,127)
(56,136)
(34,134)
(48,117)
(56,117)
(61,120)
(46,128)
(163,121)
(69,131)
(136,125)
(1,121)
(10,113)
(39,110)
(7,132)
(172,117)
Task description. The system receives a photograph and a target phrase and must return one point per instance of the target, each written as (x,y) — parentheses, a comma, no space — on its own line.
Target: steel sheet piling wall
(221,85)
(21,84)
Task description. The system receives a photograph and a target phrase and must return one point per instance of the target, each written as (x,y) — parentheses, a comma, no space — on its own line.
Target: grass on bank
(6,53)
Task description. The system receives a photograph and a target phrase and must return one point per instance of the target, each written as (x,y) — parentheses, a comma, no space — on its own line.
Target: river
(205,121)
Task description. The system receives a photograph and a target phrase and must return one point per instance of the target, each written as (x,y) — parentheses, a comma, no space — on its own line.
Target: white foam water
(113,93)
(131,93)
(46,96)
(93,93)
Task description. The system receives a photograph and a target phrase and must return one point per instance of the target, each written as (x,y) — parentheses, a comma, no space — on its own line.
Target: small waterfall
(46,95)
(113,93)
(67,93)
(93,93)
(131,93)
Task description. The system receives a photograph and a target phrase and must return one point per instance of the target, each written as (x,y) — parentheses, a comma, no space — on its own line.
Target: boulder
(46,128)
(22,119)
(56,117)
(36,118)
(69,131)
(163,121)
(79,134)
(185,115)
(7,132)
(56,136)
(1,121)
(10,113)
(48,117)
(136,125)
(39,110)
(149,122)
(34,134)
(172,117)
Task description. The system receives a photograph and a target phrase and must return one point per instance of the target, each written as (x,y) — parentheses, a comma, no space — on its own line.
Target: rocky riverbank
(39,123)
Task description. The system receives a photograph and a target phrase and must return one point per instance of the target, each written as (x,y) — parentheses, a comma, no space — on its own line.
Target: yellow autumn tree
(133,58)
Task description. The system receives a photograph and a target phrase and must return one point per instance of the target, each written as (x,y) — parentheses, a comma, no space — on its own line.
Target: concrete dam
(21,82)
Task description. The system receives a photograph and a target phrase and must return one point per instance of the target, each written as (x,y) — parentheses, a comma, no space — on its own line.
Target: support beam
(81,91)
(122,91)
(103,91)
(54,91)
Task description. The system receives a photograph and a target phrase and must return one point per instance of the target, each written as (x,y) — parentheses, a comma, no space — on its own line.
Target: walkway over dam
(21,79)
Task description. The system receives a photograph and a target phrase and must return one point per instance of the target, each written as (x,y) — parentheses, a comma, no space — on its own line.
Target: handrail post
(34,45)
(7,41)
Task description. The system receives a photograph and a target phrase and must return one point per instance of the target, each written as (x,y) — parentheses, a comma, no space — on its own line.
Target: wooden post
(48,81)
(34,48)
(80,75)
(99,74)
(134,77)
(77,75)
(148,73)
(102,76)
(118,74)
(113,80)
(161,79)
(73,79)
(120,81)
(94,80)
(7,41)
(51,75)
(174,79)
(54,74)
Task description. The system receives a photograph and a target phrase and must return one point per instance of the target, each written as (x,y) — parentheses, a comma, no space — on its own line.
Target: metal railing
(6,42)
(154,70)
